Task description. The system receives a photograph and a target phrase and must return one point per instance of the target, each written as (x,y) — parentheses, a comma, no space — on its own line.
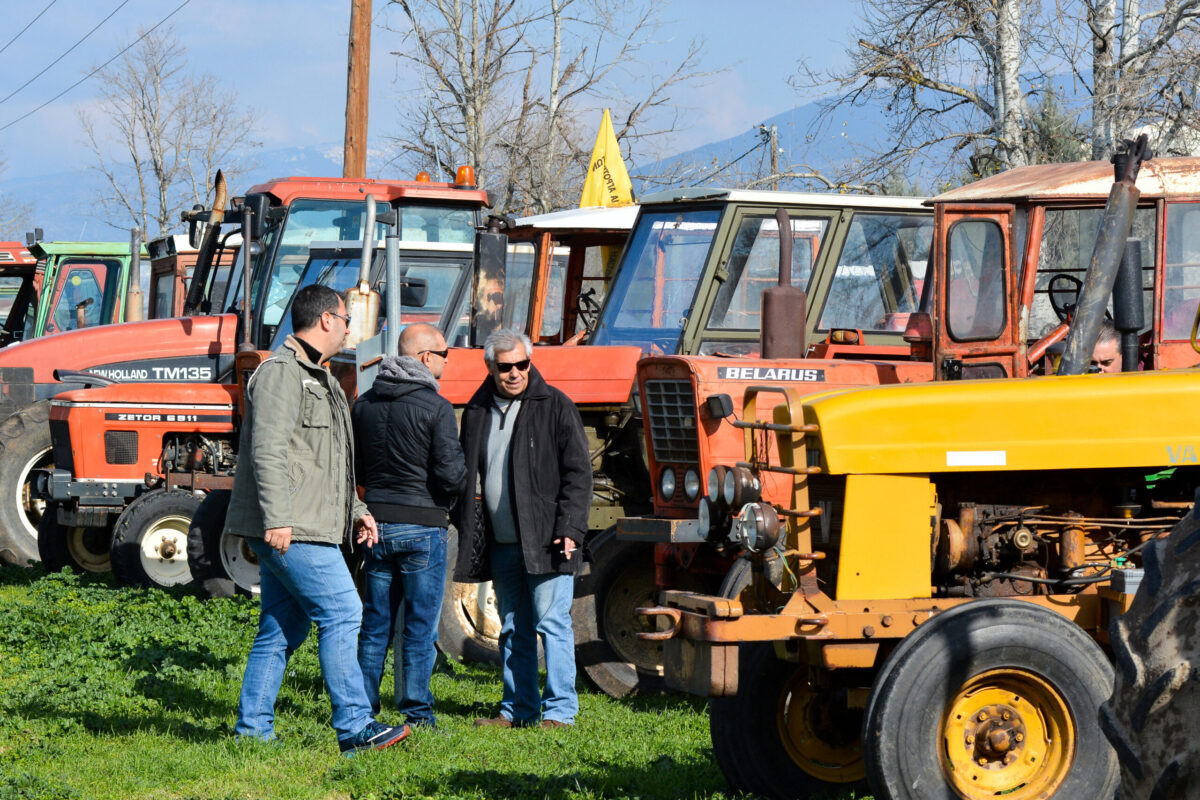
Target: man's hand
(368,531)
(279,538)
(568,546)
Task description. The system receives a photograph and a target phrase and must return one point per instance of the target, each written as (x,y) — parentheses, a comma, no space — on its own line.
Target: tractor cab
(72,285)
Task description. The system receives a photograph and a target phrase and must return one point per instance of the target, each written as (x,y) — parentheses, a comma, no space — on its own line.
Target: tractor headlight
(666,483)
(714,487)
(691,484)
(744,487)
(705,515)
(756,527)
(727,488)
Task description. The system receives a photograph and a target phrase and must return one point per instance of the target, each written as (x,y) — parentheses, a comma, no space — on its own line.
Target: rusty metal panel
(701,668)
(656,529)
(1091,180)
(849,655)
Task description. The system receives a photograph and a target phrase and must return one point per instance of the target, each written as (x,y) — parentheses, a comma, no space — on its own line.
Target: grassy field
(109,692)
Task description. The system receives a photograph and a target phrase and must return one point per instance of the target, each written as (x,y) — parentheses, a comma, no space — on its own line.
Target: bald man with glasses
(411,468)
(521,519)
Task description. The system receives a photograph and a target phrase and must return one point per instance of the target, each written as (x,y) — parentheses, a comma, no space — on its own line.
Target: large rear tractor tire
(149,544)
(781,737)
(81,549)
(221,565)
(469,628)
(24,447)
(992,698)
(1155,696)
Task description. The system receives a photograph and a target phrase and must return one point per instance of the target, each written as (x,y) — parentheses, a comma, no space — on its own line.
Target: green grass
(109,692)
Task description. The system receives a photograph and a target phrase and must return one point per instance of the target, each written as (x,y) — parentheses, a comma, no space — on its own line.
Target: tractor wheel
(221,565)
(81,549)
(784,737)
(618,578)
(24,447)
(469,628)
(728,753)
(149,543)
(994,697)
(1157,646)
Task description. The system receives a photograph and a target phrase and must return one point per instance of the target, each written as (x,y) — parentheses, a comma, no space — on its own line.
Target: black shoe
(376,736)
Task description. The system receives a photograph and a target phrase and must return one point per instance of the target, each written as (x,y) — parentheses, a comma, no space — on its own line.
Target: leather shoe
(551,724)
(493,722)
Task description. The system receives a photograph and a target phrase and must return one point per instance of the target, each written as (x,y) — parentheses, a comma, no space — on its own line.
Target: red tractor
(286,216)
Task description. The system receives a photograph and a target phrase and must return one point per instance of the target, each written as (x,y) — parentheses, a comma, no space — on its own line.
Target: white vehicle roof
(826,199)
(605,218)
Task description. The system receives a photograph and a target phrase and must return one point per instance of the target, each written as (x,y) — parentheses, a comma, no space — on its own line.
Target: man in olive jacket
(294,501)
(528,463)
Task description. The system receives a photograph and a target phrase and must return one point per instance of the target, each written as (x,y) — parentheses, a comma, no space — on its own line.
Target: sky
(287,61)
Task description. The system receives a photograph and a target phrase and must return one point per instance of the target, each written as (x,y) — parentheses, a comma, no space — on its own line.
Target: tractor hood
(161,350)
(1136,419)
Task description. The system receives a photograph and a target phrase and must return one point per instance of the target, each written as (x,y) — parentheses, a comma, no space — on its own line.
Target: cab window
(753,265)
(880,272)
(975,292)
(81,288)
(1181,270)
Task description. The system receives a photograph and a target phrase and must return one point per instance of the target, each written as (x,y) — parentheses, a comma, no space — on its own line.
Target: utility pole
(775,157)
(358,81)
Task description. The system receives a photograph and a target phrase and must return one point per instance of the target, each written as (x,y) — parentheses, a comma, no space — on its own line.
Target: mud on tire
(1151,714)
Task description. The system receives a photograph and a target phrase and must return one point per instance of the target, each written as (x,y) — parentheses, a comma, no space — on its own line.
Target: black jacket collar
(537,389)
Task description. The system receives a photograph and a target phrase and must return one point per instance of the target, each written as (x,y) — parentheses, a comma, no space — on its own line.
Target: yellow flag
(607,182)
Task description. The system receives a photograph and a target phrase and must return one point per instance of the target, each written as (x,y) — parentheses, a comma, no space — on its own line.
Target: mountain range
(75,212)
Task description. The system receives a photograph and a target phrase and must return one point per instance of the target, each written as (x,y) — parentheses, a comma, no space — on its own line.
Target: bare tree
(514,87)
(968,86)
(953,77)
(1144,58)
(159,134)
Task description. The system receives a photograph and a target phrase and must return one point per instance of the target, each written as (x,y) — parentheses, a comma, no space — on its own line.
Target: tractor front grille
(671,412)
(121,447)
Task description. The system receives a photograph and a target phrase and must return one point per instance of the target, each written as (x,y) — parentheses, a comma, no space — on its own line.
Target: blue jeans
(310,583)
(531,606)
(407,566)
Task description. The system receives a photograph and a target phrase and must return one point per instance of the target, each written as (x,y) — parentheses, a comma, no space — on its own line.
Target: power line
(35,19)
(69,49)
(97,69)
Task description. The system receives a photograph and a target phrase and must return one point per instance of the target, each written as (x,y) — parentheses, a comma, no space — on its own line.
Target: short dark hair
(1108,332)
(311,302)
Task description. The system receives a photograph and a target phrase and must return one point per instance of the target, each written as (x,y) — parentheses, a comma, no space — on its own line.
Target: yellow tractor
(927,612)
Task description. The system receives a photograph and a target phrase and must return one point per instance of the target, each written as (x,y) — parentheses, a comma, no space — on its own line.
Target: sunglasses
(343,317)
(442,353)
(504,368)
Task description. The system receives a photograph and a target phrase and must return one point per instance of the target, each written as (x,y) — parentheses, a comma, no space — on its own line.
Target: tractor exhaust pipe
(1128,310)
(246,345)
(208,247)
(1106,258)
(784,318)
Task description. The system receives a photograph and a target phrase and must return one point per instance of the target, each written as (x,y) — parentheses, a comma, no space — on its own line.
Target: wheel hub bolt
(982,716)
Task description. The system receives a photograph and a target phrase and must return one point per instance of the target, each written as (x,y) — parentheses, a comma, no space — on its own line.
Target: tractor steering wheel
(1059,297)
(588,309)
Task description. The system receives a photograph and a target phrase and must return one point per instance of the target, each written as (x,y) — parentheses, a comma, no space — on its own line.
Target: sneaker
(376,736)
(494,722)
(551,724)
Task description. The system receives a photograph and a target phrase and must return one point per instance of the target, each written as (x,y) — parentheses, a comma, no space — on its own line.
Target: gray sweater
(496,483)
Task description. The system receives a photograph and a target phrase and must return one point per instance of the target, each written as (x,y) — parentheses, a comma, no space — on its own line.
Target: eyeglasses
(442,353)
(343,317)
(504,368)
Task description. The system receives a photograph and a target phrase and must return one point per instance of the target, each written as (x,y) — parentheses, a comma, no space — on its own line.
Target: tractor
(924,573)
(1012,251)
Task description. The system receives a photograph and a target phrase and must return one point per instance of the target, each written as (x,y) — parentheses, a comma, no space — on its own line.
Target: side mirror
(259,205)
(196,226)
(414,292)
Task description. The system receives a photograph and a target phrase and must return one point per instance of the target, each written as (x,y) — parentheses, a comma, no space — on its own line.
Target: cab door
(975,318)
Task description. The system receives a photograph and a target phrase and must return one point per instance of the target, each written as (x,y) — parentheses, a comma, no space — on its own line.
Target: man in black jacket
(528,465)
(410,463)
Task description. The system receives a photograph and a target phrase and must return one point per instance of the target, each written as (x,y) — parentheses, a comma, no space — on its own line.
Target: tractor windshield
(655,287)
(443,269)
